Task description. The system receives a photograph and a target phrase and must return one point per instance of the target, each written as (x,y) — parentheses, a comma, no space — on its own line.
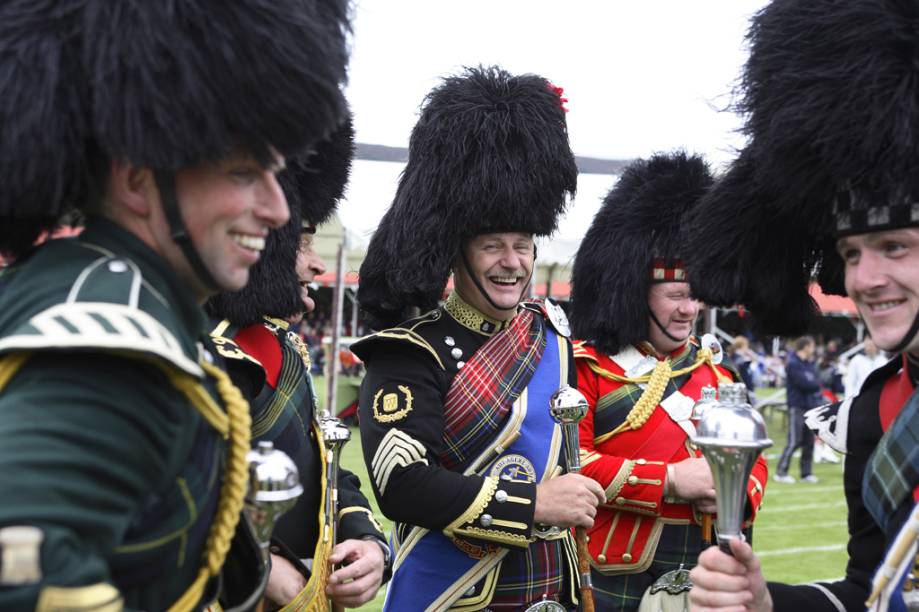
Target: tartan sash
(483,392)
(893,469)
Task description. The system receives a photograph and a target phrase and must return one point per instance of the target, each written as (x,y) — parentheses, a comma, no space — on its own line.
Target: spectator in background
(861,365)
(830,373)
(804,393)
(832,390)
(744,360)
(775,370)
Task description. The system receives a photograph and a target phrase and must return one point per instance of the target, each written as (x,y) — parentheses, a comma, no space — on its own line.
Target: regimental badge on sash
(392,406)
(515,468)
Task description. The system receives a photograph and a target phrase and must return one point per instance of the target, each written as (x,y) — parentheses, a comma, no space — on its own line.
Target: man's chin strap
(484,293)
(664,329)
(910,334)
(165,182)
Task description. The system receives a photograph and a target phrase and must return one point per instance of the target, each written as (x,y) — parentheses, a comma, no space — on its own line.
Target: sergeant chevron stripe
(397,449)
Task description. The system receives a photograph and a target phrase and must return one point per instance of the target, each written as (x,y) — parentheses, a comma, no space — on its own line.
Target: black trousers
(799,436)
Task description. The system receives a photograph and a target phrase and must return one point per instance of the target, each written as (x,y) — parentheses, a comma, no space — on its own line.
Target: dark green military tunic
(98,449)
(267,363)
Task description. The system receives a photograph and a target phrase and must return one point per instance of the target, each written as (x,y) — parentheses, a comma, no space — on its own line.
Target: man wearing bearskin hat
(642,371)
(828,182)
(270,364)
(122,447)
(454,409)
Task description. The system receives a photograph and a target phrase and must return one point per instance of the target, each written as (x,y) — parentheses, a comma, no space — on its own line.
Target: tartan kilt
(527,576)
(679,545)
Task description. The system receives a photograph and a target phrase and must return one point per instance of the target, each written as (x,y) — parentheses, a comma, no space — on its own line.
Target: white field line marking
(796,507)
(757,530)
(774,488)
(799,550)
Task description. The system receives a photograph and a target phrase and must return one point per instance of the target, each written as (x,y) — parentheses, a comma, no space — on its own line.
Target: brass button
(620,500)
(633,480)
(627,558)
(601,559)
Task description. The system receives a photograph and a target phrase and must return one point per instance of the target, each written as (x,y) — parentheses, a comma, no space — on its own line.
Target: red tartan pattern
(528,576)
(667,270)
(484,390)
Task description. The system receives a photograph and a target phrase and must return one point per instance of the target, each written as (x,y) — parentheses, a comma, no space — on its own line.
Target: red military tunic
(632,464)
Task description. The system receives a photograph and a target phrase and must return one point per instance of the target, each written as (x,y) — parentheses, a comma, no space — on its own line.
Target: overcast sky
(641,76)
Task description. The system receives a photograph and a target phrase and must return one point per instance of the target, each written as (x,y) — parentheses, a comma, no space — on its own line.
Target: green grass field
(800,534)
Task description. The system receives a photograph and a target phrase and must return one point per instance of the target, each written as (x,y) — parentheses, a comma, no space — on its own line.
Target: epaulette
(581,351)
(222,337)
(101,311)
(239,362)
(405,332)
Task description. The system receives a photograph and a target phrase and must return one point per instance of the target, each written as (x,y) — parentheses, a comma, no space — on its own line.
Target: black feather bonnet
(489,153)
(830,95)
(166,84)
(636,239)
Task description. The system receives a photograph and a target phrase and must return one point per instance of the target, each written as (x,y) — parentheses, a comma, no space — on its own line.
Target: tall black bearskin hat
(831,98)
(166,85)
(313,183)
(489,153)
(635,240)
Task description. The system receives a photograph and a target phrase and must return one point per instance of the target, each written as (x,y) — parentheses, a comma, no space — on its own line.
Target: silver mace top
(567,407)
(731,436)
(274,486)
(334,433)
(709,398)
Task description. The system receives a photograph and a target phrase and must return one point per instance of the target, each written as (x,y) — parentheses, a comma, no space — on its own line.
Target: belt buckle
(674,582)
(546,605)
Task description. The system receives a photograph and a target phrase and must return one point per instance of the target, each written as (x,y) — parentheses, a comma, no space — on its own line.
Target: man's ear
(132,186)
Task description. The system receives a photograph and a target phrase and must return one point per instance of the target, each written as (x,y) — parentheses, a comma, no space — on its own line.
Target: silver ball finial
(568,405)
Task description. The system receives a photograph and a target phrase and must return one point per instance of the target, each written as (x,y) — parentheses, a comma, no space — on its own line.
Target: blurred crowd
(842,370)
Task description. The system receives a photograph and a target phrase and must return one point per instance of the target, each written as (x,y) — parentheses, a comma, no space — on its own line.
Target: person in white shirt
(861,365)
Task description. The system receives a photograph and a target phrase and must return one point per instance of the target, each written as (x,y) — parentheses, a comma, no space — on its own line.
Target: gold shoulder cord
(235,480)
(235,427)
(656,385)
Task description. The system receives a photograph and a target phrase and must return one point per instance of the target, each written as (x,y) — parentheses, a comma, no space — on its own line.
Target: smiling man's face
(882,278)
(676,311)
(228,208)
(502,264)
